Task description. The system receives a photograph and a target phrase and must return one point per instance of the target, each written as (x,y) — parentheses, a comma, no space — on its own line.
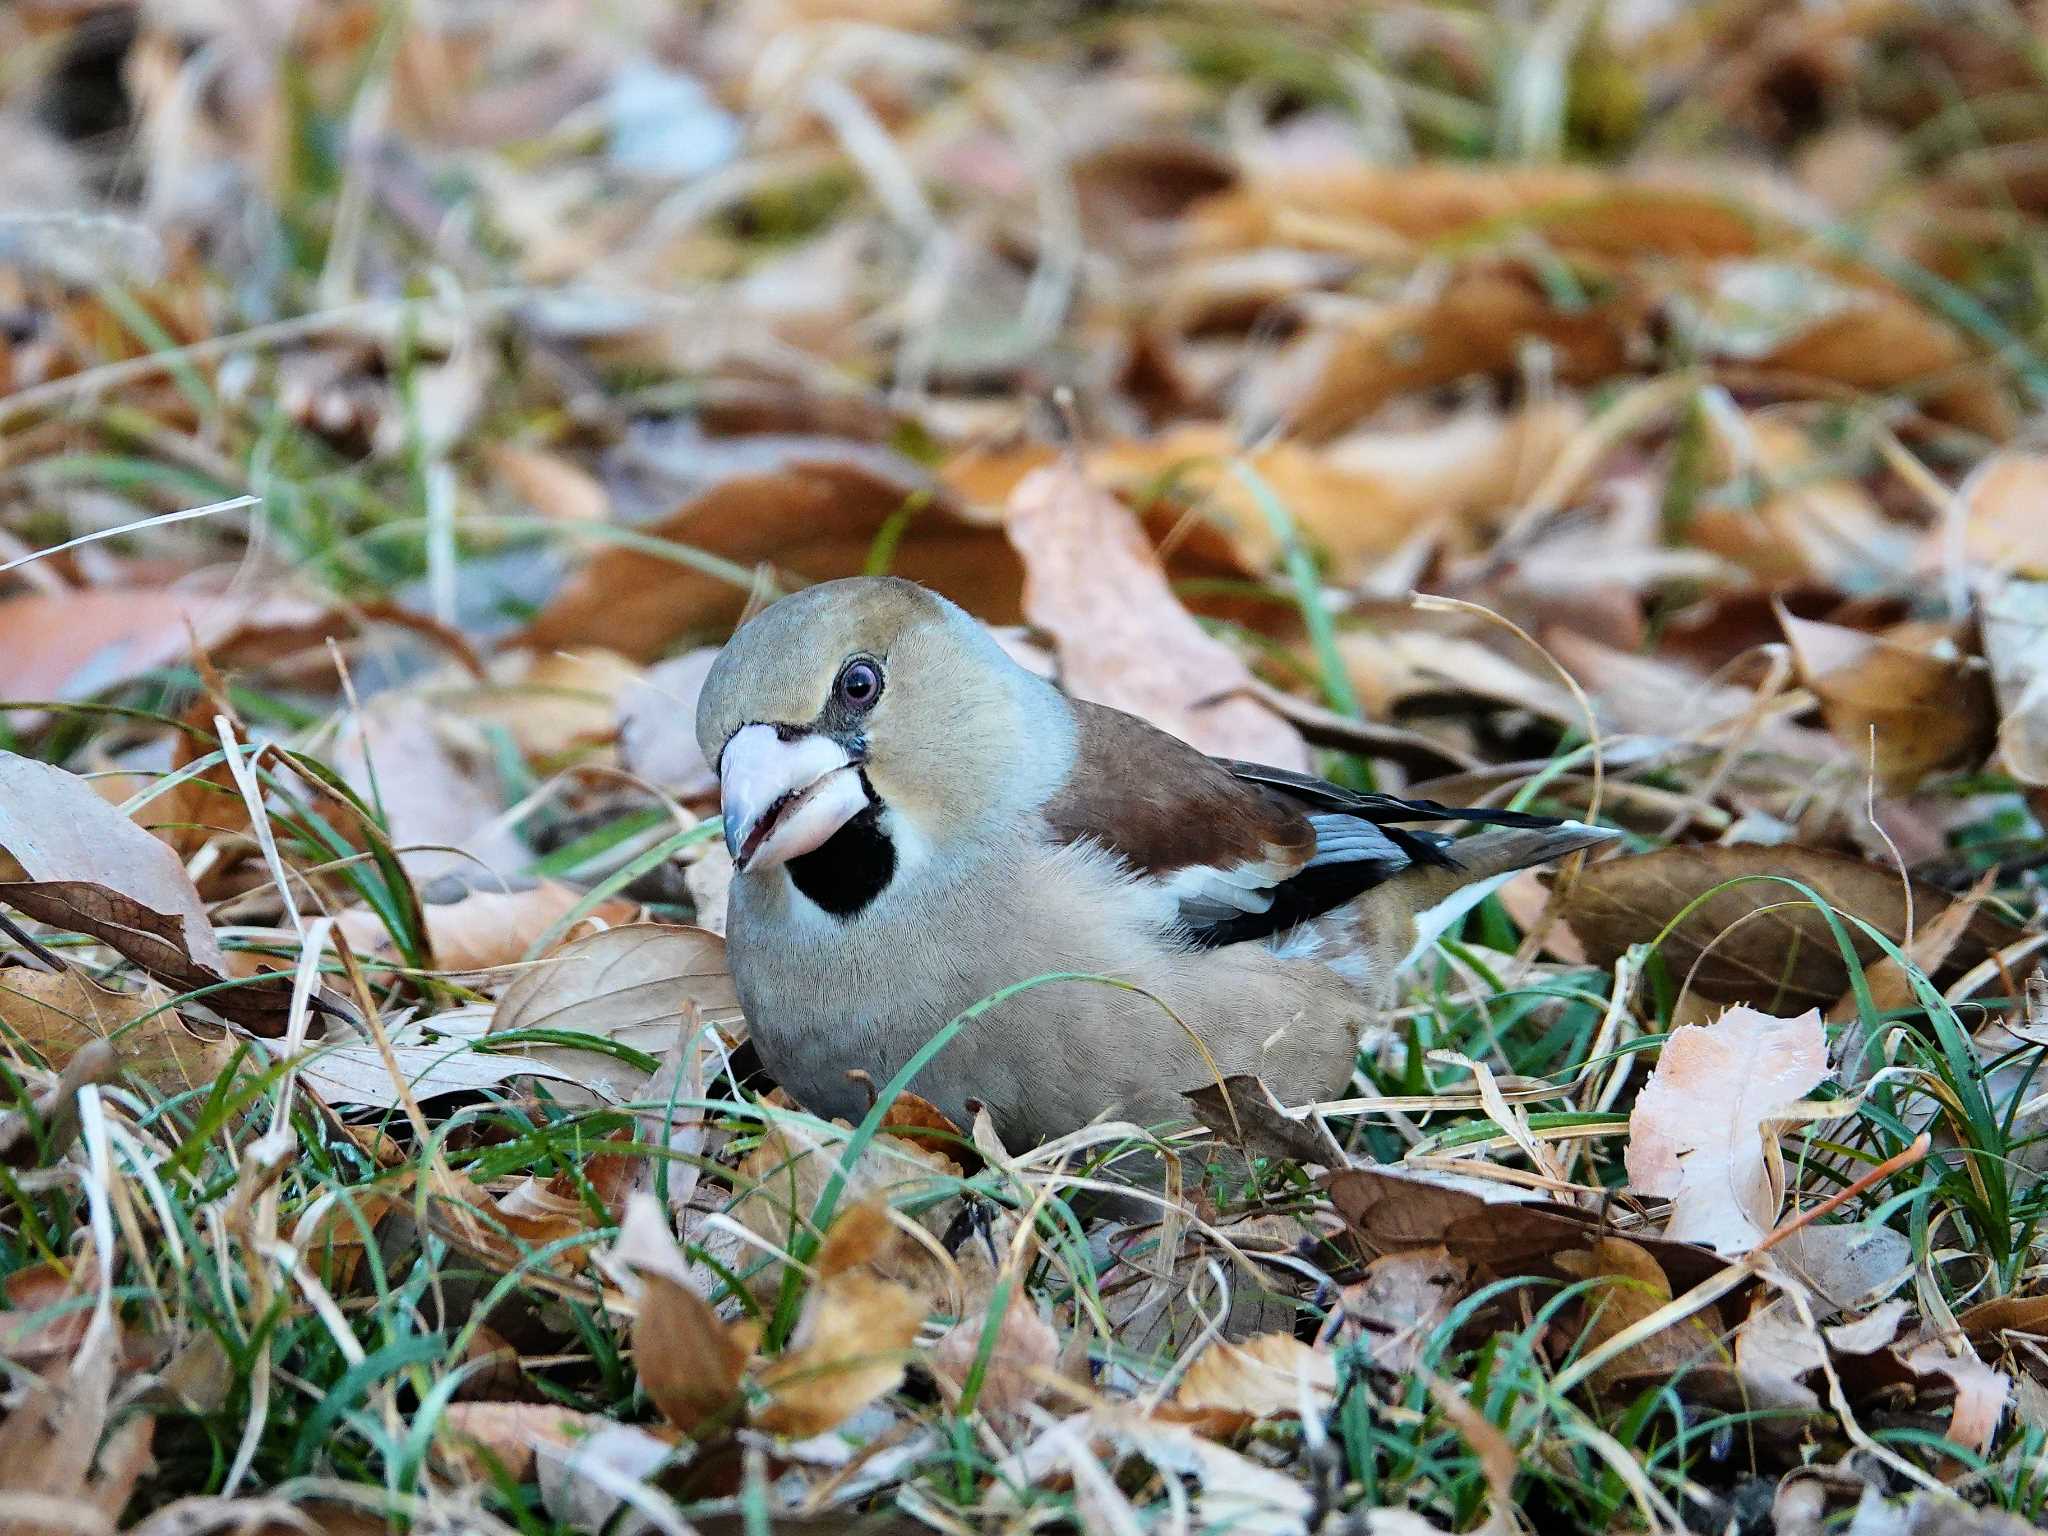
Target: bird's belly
(823,1001)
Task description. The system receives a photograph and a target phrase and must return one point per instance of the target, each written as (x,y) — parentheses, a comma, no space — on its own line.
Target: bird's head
(861,725)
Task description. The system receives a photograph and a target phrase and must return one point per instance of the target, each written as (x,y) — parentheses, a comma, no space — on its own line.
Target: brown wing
(1239,850)
(1217,845)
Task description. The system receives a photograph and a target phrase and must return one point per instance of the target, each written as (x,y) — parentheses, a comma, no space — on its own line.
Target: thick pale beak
(782,798)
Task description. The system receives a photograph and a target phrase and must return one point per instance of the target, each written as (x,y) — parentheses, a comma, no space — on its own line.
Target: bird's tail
(1400,919)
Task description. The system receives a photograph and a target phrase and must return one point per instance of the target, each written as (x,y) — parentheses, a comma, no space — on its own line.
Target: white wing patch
(1205,893)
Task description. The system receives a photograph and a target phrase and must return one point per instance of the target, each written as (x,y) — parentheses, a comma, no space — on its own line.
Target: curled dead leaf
(1637,1288)
(816,515)
(1759,941)
(1913,709)
(1093,583)
(851,1343)
(1270,1374)
(69,859)
(58,1013)
(637,985)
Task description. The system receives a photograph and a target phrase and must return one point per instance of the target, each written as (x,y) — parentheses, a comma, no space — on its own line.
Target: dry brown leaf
(1123,639)
(1881,341)
(1639,1288)
(474,1438)
(1242,1110)
(657,726)
(69,859)
(851,1343)
(1392,1209)
(71,645)
(54,1441)
(191,812)
(1915,710)
(549,483)
(2015,624)
(2005,514)
(1703,1131)
(1270,1374)
(435,780)
(1981,1392)
(778,1186)
(502,1233)
(636,985)
(486,928)
(1759,942)
(689,1361)
(1400,1301)
(58,1013)
(1360,207)
(1022,1360)
(1890,983)
(815,516)
(553,703)
(1357,518)
(1477,323)
(37,1326)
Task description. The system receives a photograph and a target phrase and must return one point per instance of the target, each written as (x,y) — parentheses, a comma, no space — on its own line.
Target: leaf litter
(382,1142)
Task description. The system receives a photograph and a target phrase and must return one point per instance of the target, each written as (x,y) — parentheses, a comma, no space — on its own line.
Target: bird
(919,823)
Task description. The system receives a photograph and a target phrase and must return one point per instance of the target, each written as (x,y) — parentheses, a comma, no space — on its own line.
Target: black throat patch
(850,868)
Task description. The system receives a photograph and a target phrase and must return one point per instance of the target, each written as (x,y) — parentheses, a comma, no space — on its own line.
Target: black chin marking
(851,867)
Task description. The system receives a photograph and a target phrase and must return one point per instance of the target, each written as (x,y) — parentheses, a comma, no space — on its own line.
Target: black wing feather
(1345,865)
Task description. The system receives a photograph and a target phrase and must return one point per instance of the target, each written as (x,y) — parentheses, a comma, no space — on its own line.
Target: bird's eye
(859,685)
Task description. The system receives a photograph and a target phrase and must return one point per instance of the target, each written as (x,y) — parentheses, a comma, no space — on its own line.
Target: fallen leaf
(657,724)
(1775,1350)
(633,986)
(1123,639)
(554,702)
(690,1362)
(1022,1359)
(2015,624)
(1912,710)
(69,859)
(850,1346)
(1637,1289)
(585,1484)
(72,645)
(1704,1131)
(1890,983)
(1242,1110)
(1879,340)
(816,515)
(1401,1300)
(1350,206)
(779,1184)
(58,1013)
(1270,1374)
(476,1438)
(486,928)
(354,1073)
(549,483)
(1478,321)
(1845,1265)
(435,782)
(1759,941)
(1504,1227)
(504,1233)
(2005,514)
(1981,1392)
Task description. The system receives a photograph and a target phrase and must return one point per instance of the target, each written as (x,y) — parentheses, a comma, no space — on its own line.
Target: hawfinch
(917,822)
